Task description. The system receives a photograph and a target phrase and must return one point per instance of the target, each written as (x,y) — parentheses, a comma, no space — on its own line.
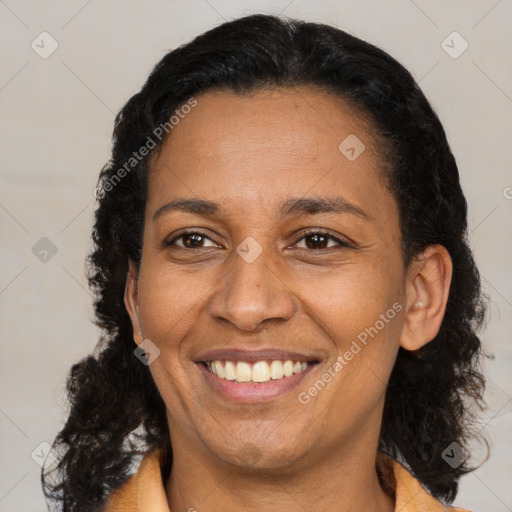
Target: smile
(257,372)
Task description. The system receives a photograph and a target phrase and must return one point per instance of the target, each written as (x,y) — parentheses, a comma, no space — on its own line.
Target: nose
(251,293)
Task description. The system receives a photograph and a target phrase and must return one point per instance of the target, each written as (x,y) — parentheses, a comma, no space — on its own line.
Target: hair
(115,409)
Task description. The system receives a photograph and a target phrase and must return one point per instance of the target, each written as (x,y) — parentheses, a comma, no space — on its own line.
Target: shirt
(145,492)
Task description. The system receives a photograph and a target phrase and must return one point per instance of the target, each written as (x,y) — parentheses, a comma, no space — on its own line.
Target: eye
(190,240)
(315,240)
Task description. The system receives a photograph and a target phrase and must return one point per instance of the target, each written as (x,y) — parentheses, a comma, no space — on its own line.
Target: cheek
(353,297)
(362,313)
(343,300)
(169,305)
(361,310)
(170,301)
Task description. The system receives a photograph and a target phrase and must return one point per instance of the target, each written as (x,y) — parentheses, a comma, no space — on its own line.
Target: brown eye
(315,240)
(190,240)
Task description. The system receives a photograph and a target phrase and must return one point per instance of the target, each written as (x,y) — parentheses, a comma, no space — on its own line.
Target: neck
(346,480)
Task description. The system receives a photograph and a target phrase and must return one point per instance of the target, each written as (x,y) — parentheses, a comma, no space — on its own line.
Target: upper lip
(234,354)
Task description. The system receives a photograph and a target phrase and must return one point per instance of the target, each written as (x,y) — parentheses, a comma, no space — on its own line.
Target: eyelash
(341,243)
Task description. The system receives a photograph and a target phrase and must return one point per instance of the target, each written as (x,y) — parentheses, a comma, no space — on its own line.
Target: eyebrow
(293,206)
(313,205)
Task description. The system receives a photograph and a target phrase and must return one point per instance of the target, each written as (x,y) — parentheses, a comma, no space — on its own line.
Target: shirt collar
(145,491)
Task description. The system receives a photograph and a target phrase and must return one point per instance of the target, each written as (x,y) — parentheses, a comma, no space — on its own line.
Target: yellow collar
(145,492)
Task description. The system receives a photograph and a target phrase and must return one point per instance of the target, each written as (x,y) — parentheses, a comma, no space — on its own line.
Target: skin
(250,154)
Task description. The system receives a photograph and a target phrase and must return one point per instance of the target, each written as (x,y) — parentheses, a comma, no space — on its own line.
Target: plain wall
(56,121)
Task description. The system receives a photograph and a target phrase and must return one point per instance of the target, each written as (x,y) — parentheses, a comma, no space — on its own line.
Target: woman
(288,299)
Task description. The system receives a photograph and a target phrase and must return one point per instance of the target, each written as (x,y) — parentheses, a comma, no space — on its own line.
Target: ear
(428,285)
(131,301)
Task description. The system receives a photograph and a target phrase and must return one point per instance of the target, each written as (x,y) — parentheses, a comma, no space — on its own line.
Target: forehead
(267,144)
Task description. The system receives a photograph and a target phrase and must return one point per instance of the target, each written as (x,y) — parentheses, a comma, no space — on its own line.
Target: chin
(259,454)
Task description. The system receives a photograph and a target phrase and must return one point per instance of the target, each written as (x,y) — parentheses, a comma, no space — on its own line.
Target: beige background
(56,122)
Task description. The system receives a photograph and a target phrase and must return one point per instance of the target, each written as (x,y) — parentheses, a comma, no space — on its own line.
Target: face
(294,256)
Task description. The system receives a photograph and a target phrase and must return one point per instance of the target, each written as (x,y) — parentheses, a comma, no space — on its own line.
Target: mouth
(254,376)
(257,372)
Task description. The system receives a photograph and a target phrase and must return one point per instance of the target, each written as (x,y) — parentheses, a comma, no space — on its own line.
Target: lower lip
(254,392)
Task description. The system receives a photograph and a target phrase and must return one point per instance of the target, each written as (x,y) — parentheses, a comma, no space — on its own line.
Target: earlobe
(131,301)
(428,287)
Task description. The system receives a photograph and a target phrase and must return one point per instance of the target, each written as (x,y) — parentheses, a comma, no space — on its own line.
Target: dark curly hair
(116,411)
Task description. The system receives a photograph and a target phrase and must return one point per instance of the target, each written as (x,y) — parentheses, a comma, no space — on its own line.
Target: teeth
(243,372)
(276,370)
(219,369)
(229,371)
(288,368)
(261,371)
